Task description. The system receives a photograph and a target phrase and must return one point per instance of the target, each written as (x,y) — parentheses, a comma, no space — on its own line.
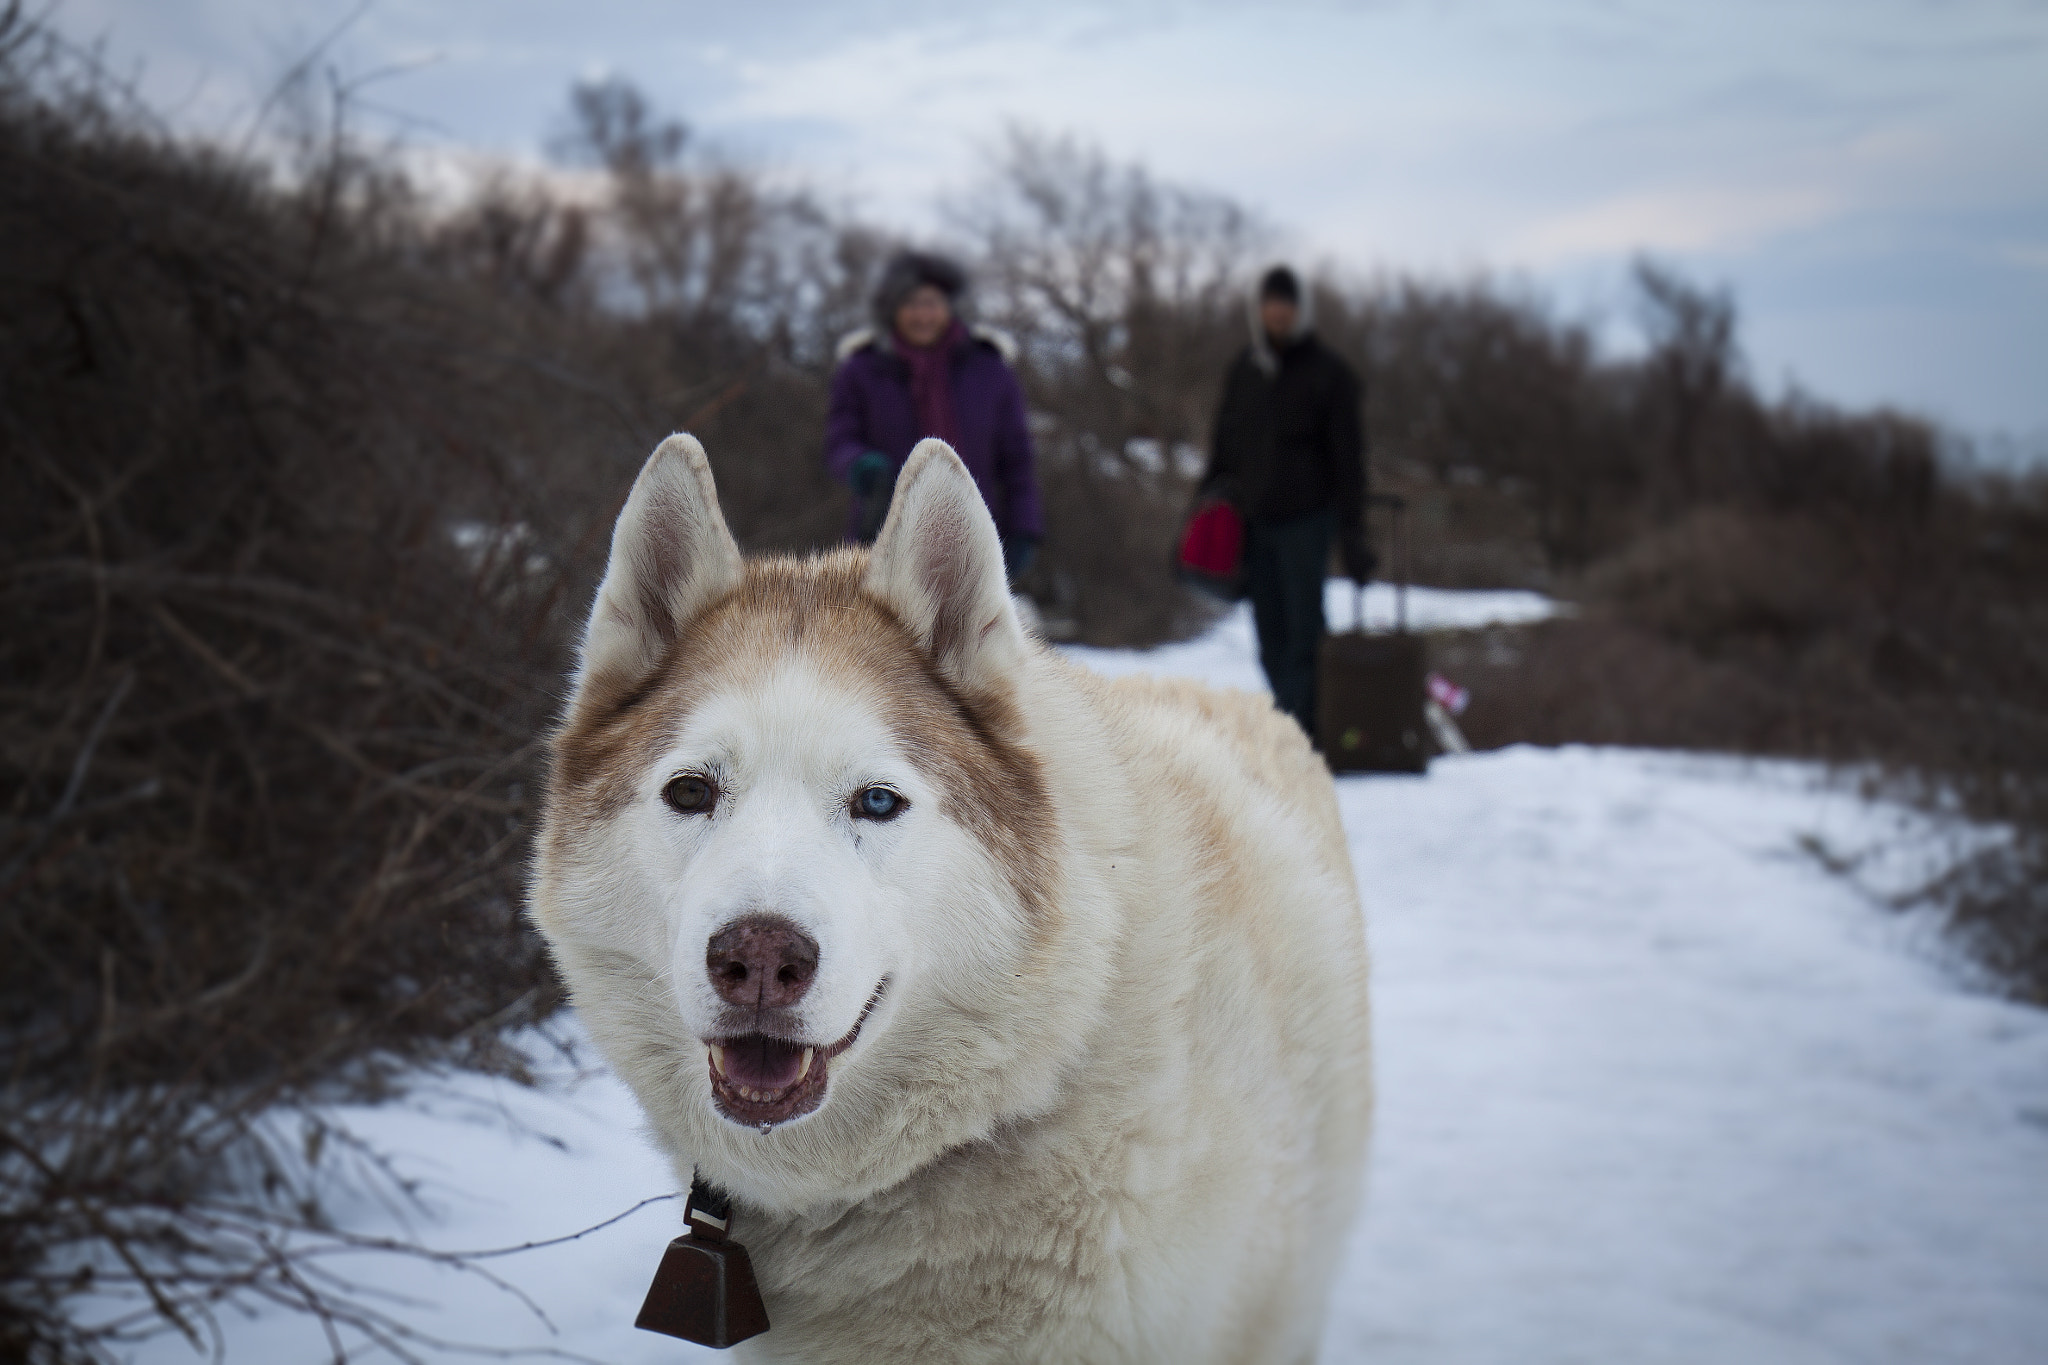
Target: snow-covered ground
(1227,654)
(1655,1087)
(1659,1088)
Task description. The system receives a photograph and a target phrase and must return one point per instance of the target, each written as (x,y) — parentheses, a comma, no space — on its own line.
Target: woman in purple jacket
(920,371)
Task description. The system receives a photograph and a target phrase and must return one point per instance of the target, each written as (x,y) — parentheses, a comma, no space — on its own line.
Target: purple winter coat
(872,410)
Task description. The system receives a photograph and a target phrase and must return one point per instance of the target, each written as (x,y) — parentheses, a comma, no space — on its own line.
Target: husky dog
(1021,1012)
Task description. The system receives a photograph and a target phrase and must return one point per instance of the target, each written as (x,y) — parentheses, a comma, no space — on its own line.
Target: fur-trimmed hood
(1002,343)
(873,409)
(1304,323)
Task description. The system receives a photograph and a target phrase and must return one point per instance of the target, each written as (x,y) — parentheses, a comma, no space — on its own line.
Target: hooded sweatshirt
(1289,437)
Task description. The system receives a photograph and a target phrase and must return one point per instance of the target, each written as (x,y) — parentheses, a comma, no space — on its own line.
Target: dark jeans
(1284,567)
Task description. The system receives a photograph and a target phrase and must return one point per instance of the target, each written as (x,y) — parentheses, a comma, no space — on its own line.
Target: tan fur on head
(919,639)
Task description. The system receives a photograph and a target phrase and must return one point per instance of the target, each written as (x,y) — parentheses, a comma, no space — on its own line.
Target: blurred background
(331,336)
(1866,178)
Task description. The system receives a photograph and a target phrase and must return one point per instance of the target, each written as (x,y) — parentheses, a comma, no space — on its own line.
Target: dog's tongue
(763,1063)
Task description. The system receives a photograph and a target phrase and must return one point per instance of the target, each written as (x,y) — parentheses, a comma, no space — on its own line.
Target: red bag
(1212,550)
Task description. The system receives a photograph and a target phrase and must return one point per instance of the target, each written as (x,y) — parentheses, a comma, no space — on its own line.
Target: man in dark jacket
(1289,452)
(920,371)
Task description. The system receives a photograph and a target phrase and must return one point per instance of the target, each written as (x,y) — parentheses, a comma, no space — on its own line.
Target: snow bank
(1227,655)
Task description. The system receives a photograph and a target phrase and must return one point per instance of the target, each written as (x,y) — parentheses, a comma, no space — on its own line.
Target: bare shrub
(1722,577)
(284,619)
(1126,298)
(1479,401)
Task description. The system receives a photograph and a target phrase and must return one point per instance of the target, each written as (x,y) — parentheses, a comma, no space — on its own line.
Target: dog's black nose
(761,960)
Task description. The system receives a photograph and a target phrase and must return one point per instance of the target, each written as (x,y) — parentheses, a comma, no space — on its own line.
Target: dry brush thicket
(307,487)
(309,479)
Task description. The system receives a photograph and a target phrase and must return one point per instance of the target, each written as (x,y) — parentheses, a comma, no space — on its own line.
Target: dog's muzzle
(759,1081)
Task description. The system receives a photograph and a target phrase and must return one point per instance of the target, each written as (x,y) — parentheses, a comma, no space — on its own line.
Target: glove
(1359,560)
(868,472)
(1018,553)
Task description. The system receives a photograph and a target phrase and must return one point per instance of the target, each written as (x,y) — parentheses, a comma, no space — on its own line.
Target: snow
(1655,1086)
(500,1165)
(1227,654)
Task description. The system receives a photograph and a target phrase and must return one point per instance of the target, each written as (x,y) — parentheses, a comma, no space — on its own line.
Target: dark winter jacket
(1289,437)
(872,410)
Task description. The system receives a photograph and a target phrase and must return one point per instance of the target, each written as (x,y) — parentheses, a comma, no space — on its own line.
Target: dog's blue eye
(877,803)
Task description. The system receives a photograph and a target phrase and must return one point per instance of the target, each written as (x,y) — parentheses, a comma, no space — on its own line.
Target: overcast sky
(1870,176)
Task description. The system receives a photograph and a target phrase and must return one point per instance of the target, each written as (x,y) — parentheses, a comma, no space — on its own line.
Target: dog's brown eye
(690,795)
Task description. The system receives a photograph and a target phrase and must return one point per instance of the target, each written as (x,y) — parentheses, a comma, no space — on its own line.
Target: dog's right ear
(672,556)
(938,563)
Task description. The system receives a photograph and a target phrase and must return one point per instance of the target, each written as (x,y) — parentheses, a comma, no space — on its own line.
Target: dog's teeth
(803,1068)
(717,1058)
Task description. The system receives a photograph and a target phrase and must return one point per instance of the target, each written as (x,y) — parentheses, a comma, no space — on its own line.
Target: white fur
(1133,1135)
(939,561)
(672,537)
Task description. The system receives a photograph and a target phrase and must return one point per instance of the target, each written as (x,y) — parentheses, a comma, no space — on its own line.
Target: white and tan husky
(1021,1012)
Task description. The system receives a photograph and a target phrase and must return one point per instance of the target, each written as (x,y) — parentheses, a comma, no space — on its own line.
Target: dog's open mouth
(762,1081)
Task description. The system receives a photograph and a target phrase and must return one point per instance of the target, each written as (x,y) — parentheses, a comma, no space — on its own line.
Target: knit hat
(906,272)
(1280,283)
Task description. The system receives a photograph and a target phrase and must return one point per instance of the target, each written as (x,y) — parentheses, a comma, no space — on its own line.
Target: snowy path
(1654,1088)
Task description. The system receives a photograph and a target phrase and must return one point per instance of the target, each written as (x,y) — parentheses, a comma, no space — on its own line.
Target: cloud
(1872,151)
(1684,219)
(2028,255)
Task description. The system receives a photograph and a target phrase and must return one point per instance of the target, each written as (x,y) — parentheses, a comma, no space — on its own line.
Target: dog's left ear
(672,556)
(939,563)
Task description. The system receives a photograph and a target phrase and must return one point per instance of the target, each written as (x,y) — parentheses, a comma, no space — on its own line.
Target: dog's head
(796,860)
